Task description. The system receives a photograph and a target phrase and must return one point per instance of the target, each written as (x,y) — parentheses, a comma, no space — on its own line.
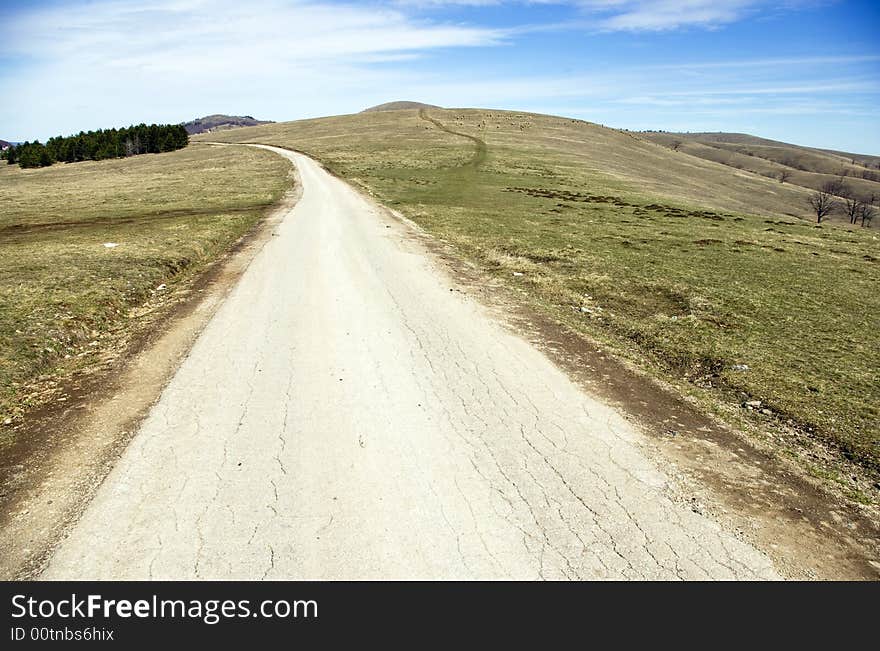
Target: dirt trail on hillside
(480,153)
(348,414)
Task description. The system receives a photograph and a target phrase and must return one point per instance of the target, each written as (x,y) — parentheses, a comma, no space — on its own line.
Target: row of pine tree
(98,145)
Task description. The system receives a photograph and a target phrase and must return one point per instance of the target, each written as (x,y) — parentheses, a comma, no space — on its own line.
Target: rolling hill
(219,122)
(612,159)
(804,166)
(744,139)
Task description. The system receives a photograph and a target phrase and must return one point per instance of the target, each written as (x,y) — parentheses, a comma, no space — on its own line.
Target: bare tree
(852,205)
(675,144)
(824,201)
(867,211)
(784,175)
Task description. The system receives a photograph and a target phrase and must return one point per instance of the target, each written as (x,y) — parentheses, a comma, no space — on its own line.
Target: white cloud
(775,62)
(82,66)
(195,31)
(659,15)
(635,15)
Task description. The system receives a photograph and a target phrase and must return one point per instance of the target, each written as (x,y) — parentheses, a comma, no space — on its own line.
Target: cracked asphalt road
(345,415)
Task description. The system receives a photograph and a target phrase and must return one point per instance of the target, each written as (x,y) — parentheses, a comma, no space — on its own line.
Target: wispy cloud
(658,15)
(195,31)
(774,62)
(637,15)
(78,65)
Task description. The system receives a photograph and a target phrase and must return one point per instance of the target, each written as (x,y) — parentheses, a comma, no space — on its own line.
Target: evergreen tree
(101,144)
(34,154)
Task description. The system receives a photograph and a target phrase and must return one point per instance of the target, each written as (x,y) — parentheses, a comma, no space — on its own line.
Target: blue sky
(804,71)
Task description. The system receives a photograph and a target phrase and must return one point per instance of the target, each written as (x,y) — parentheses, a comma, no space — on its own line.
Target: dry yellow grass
(615,160)
(63,289)
(807,168)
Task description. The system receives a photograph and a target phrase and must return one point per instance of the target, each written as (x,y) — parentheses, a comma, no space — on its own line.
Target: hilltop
(219,122)
(399,106)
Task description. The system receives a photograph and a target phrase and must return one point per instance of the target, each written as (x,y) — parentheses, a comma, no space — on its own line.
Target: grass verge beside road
(84,246)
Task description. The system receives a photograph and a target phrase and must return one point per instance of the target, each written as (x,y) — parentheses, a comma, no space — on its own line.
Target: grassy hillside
(700,272)
(865,160)
(806,167)
(81,245)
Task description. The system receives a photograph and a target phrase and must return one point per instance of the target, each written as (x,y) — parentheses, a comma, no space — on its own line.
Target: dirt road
(348,413)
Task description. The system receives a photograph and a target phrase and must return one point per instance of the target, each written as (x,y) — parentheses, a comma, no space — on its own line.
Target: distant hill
(745,139)
(219,122)
(807,167)
(399,106)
